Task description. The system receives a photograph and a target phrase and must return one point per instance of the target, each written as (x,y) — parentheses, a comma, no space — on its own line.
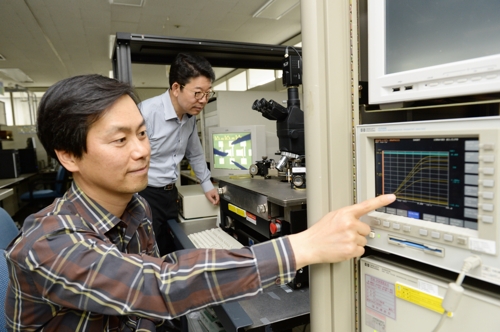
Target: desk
(12,189)
(4,193)
(13,181)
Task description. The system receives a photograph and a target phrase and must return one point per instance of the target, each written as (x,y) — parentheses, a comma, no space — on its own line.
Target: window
(238,82)
(258,77)
(23,106)
(222,86)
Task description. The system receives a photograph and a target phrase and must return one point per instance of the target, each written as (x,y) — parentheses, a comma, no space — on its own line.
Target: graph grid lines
(419,176)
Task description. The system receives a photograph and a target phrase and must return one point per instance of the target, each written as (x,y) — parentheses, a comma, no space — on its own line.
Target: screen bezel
(258,137)
(469,77)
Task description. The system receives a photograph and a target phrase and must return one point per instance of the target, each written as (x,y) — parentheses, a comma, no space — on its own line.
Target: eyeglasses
(198,95)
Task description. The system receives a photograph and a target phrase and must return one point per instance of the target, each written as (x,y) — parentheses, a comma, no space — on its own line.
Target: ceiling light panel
(276,9)
(135,3)
(17,75)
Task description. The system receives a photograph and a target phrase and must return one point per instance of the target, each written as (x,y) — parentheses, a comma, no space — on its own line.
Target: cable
(455,290)
(441,322)
(286,52)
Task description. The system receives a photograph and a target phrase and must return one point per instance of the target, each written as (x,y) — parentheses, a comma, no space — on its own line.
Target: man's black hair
(71,106)
(188,66)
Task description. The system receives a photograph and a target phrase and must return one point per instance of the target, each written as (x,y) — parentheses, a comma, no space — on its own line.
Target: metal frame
(160,50)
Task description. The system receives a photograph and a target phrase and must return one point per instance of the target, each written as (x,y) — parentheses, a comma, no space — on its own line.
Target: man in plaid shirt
(89,261)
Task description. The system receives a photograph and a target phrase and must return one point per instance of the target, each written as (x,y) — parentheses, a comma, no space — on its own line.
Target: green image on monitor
(232,150)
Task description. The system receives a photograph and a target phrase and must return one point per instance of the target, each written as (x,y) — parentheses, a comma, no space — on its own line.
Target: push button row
(424,232)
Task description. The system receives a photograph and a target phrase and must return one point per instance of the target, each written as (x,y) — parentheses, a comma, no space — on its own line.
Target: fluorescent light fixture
(276,9)
(135,3)
(17,75)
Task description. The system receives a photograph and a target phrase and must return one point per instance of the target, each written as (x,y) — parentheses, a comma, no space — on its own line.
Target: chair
(46,196)
(4,284)
(8,233)
(8,227)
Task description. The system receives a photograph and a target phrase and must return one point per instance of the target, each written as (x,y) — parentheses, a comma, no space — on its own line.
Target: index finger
(372,204)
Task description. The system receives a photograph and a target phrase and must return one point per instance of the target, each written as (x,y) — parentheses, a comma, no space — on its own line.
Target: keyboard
(214,238)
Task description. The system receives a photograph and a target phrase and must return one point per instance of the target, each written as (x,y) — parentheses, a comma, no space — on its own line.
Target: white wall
(144,94)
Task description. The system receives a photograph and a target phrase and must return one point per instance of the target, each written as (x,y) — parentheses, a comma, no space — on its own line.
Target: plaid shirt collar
(102,219)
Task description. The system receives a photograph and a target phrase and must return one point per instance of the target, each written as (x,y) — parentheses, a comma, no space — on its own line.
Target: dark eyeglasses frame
(198,95)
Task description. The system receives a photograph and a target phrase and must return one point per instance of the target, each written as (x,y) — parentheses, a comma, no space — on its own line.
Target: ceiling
(53,39)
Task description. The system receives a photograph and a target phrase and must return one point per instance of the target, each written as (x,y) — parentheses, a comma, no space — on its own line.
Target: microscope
(289,129)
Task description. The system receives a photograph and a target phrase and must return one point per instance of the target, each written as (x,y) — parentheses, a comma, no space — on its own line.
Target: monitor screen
(435,179)
(426,50)
(439,32)
(232,150)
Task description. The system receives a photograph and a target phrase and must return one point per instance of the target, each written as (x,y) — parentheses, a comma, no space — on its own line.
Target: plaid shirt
(77,267)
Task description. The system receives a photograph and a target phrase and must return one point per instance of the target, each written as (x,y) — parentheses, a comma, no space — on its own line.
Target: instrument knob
(261,208)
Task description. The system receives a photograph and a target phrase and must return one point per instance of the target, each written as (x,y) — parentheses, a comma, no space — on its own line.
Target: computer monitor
(446,177)
(234,149)
(420,50)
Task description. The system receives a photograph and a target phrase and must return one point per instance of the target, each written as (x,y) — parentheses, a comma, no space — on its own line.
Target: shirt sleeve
(146,111)
(77,269)
(196,157)
(275,261)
